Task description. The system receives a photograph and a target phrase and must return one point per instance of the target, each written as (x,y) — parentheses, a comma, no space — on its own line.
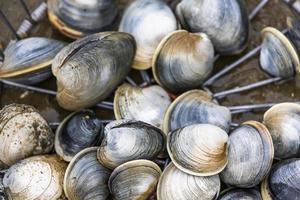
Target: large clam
(23,133)
(283,122)
(76,18)
(283,181)
(147,104)
(250,155)
(84,69)
(29,60)
(148,21)
(38,177)
(238,193)
(183,60)
(76,132)
(199,149)
(224,21)
(134,180)
(85,177)
(127,140)
(195,107)
(177,185)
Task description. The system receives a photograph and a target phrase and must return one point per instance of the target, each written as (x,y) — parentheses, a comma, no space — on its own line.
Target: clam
(127,140)
(24,132)
(148,21)
(147,104)
(89,69)
(177,185)
(77,18)
(195,107)
(283,122)
(199,149)
(29,60)
(283,181)
(38,177)
(134,180)
(85,177)
(238,193)
(76,132)
(225,22)
(250,155)
(183,61)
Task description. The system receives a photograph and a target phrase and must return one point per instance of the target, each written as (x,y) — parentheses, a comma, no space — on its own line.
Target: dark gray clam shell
(240,194)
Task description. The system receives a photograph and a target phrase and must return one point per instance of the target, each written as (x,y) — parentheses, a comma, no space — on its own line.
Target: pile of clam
(170,139)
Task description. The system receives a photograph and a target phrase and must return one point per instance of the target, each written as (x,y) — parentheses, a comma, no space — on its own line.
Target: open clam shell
(147,104)
(238,193)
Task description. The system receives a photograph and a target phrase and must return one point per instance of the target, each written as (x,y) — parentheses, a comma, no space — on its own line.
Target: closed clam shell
(278,56)
(195,107)
(174,184)
(238,193)
(76,18)
(224,21)
(23,133)
(29,60)
(183,61)
(148,21)
(134,180)
(85,177)
(38,177)
(250,155)
(283,181)
(126,140)
(147,104)
(283,122)
(89,69)
(76,132)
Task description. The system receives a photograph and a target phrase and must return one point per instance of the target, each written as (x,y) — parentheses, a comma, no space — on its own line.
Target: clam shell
(84,69)
(147,104)
(148,21)
(23,133)
(127,140)
(250,155)
(85,177)
(177,185)
(134,180)
(238,193)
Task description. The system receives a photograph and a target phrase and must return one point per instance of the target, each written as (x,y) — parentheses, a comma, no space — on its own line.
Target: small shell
(148,21)
(195,107)
(177,185)
(237,193)
(144,104)
(85,177)
(23,133)
(134,180)
(250,155)
(76,132)
(127,140)
(39,177)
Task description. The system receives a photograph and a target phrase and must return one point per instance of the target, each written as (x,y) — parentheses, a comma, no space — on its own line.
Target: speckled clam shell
(199,149)
(283,181)
(148,21)
(283,122)
(134,180)
(84,69)
(195,107)
(183,60)
(250,155)
(38,177)
(85,177)
(177,185)
(238,193)
(278,57)
(77,18)
(224,21)
(29,60)
(23,133)
(79,130)
(127,140)
(147,104)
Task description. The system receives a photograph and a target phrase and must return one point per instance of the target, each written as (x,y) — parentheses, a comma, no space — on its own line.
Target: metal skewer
(258,7)
(245,108)
(26,10)
(146,78)
(129,80)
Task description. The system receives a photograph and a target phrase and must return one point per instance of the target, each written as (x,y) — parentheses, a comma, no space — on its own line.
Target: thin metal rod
(8,24)
(54,125)
(234,125)
(26,10)
(234,112)
(145,76)
(129,80)
(223,94)
(258,7)
(252,107)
